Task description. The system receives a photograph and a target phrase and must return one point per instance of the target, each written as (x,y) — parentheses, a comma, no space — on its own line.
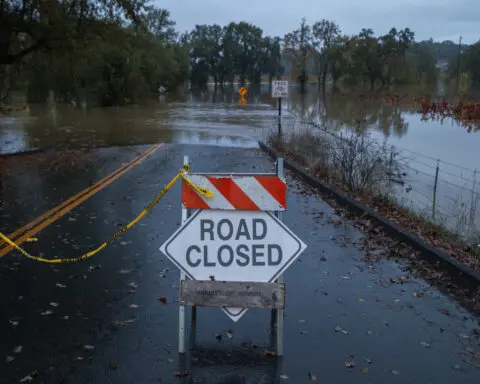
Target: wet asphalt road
(99,321)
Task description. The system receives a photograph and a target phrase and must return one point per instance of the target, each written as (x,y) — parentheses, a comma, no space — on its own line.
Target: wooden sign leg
(193,328)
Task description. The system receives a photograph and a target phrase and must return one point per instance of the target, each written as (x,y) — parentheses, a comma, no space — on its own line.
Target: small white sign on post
(279,88)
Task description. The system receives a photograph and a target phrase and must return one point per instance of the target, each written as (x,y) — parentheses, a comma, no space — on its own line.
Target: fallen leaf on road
(47,312)
(9,359)
(125,271)
(89,347)
(162,299)
(364,370)
(340,329)
(124,323)
(61,285)
(133,306)
(395,372)
(360,300)
(29,377)
(53,304)
(312,377)
(267,352)
(79,358)
(113,366)
(350,363)
(181,374)
(32,239)
(425,344)
(444,311)
(18,349)
(400,279)
(367,360)
(284,377)
(133,285)
(13,322)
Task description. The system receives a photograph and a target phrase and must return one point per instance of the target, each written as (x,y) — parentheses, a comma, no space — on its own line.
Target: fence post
(434,203)
(473,203)
(390,170)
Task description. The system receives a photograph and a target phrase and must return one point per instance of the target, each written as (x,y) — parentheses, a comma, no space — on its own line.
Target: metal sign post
(233,249)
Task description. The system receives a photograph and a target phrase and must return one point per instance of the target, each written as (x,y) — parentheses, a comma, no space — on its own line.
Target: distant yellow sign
(242,91)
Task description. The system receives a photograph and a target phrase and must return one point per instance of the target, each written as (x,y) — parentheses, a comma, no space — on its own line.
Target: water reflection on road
(192,121)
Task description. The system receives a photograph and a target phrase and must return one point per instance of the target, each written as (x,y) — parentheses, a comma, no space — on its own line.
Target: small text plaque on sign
(232,293)
(279,88)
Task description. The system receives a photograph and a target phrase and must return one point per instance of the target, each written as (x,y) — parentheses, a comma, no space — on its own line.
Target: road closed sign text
(279,88)
(233,246)
(251,252)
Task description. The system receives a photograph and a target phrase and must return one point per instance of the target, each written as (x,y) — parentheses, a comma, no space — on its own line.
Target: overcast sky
(439,19)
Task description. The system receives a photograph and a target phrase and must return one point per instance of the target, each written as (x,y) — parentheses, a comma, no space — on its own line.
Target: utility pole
(459,63)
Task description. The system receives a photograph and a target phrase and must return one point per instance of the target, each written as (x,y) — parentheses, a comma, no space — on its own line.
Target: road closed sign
(248,246)
(279,88)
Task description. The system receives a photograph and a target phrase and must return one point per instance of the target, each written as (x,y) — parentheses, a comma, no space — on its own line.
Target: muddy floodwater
(220,119)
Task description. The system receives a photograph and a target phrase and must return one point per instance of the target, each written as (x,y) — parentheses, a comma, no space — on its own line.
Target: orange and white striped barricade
(233,247)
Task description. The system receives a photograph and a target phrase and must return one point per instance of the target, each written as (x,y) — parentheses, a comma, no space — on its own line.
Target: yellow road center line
(65,207)
(71,199)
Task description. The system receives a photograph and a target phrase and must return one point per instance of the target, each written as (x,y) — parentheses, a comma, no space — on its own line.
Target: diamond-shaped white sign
(233,246)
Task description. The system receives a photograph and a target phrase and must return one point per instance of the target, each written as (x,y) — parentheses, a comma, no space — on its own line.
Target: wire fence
(445,193)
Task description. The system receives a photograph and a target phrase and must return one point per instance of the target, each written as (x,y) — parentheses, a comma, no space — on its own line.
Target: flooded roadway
(188,121)
(348,319)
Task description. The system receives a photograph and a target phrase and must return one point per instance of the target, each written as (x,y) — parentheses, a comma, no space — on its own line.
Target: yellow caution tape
(203,191)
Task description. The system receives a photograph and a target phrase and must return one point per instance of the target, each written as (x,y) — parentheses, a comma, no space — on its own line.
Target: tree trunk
(303,80)
(324,77)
